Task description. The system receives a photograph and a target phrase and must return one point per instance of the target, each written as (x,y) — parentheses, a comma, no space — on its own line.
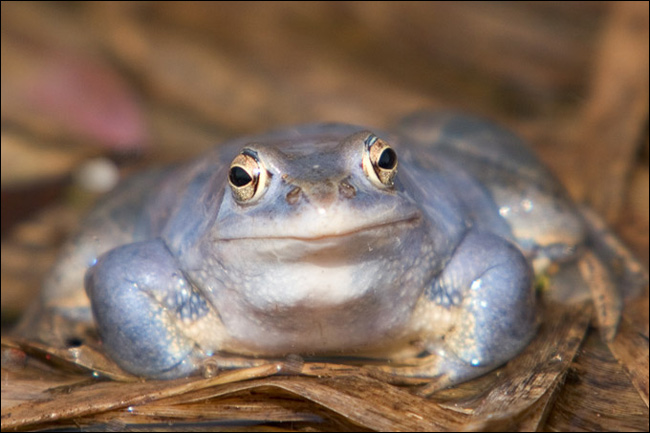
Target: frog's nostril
(346,190)
(294,195)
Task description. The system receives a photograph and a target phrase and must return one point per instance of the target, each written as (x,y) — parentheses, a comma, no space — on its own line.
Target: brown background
(143,83)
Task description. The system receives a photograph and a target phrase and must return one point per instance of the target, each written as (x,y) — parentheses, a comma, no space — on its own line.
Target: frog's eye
(379,161)
(247,177)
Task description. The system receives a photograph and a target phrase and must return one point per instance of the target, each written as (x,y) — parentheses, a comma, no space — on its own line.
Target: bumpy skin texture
(325,259)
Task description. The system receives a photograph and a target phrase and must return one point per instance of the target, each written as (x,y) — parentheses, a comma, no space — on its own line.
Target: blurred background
(92,91)
(105,88)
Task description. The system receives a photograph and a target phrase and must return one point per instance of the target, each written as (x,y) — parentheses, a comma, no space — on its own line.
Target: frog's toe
(441,369)
(140,301)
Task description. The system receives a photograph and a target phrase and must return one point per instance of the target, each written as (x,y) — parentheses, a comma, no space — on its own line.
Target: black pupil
(239,176)
(387,159)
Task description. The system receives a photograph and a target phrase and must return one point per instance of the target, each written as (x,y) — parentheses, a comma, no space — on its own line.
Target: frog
(325,240)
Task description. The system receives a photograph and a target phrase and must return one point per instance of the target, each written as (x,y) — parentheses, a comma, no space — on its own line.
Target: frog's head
(317,221)
(313,187)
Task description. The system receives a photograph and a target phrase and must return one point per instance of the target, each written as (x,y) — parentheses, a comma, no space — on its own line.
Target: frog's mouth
(358,244)
(403,224)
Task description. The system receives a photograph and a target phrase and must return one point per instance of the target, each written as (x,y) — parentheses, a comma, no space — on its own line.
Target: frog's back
(521,192)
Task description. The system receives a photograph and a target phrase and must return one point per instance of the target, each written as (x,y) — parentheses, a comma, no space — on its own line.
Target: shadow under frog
(326,240)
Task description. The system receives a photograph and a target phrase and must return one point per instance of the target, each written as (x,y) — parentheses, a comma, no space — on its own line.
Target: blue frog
(326,240)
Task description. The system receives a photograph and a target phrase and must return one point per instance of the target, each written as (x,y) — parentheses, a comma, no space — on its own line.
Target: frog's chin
(300,292)
(311,274)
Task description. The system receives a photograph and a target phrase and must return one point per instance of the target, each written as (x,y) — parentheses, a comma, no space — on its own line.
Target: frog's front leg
(478,314)
(145,310)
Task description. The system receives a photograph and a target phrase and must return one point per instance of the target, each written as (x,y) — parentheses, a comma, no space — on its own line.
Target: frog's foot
(611,272)
(626,271)
(606,297)
(478,314)
(147,312)
(441,370)
(59,327)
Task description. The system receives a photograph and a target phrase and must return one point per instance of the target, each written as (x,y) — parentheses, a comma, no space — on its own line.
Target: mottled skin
(326,259)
